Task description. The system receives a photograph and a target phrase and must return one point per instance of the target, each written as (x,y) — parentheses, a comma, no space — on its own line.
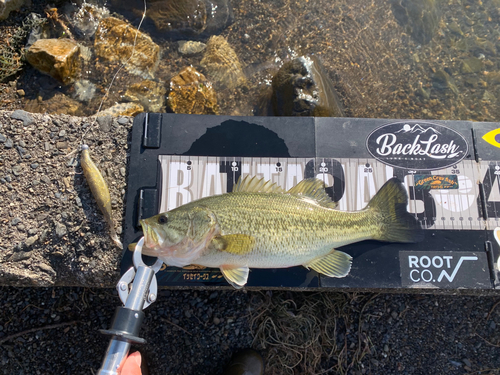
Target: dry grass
(310,333)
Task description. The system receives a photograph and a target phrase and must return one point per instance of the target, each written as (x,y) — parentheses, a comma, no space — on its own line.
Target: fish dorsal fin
(313,188)
(256,185)
(237,277)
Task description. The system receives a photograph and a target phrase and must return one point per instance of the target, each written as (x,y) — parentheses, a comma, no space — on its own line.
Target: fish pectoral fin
(237,244)
(335,264)
(237,277)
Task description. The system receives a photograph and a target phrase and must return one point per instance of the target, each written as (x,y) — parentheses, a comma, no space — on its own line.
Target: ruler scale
(187,178)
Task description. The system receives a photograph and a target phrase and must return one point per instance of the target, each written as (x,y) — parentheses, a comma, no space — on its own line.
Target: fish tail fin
(396,223)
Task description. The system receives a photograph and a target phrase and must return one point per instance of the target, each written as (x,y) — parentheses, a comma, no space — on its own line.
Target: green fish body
(259,225)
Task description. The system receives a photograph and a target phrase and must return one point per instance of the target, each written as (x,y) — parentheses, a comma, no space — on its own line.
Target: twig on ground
(31,330)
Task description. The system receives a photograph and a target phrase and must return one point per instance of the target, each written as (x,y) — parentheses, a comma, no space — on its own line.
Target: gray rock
(62,133)
(123,121)
(46,268)
(20,255)
(45,179)
(8,143)
(105,122)
(24,116)
(467,362)
(31,240)
(34,165)
(16,221)
(61,229)
(2,138)
(3,180)
(16,170)
(8,178)
(123,171)
(22,143)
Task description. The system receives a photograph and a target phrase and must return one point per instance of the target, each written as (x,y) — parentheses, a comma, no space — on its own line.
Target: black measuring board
(177,158)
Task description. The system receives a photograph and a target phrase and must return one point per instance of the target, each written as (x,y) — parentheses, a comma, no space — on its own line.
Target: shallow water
(440,62)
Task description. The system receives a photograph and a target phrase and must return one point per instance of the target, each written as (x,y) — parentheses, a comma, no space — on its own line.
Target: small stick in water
(99,190)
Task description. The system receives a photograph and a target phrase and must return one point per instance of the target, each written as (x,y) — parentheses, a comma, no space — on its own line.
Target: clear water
(441,63)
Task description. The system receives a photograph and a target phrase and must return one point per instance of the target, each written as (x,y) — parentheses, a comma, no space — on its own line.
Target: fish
(260,225)
(100,191)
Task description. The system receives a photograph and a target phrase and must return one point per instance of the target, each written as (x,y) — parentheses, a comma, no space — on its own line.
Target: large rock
(221,63)
(149,94)
(114,41)
(419,18)
(58,58)
(181,19)
(6,6)
(191,93)
(302,88)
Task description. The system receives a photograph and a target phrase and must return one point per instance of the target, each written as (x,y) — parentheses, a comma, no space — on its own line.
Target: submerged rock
(191,93)
(443,80)
(115,40)
(222,64)
(302,88)
(7,6)
(419,18)
(181,19)
(84,90)
(58,58)
(58,104)
(189,47)
(122,109)
(87,18)
(149,94)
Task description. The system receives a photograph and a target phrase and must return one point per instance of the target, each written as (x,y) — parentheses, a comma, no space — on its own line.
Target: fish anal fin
(314,189)
(235,276)
(237,244)
(255,185)
(335,264)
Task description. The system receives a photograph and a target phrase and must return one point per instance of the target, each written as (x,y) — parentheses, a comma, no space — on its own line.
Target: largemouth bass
(259,225)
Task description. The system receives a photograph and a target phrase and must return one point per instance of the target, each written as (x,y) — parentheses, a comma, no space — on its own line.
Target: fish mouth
(152,238)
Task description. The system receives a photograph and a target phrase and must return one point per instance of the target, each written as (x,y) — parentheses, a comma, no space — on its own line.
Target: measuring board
(450,169)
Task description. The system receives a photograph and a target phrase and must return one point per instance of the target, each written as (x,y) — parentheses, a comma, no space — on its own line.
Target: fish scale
(285,227)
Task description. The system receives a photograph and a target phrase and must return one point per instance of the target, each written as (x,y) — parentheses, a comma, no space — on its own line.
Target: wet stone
(59,58)
(302,88)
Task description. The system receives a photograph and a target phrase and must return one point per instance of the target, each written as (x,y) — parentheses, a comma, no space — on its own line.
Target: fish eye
(162,219)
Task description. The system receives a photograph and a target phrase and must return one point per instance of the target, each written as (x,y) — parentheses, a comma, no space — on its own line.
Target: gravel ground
(55,331)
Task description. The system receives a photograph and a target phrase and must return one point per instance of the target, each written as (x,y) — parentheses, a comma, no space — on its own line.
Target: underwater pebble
(189,47)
